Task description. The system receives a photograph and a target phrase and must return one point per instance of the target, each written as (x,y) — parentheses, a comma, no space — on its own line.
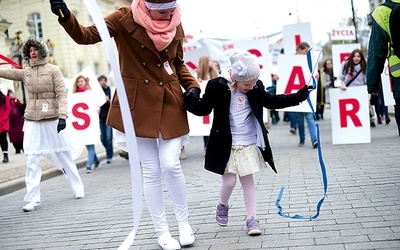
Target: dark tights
(18,147)
(3,141)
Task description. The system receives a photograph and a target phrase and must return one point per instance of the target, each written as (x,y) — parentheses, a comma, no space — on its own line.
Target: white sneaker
(166,242)
(183,155)
(31,206)
(80,195)
(186,235)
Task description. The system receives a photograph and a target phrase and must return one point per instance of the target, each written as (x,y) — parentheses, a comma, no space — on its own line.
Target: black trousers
(3,141)
(18,147)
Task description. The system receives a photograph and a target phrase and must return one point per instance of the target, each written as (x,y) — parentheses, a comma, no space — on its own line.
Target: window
(34,24)
(96,69)
(80,66)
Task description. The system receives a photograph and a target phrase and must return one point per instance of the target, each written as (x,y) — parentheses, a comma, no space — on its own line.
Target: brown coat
(154,96)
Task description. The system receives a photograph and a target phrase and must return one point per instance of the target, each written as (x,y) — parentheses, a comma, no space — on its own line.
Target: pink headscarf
(160,32)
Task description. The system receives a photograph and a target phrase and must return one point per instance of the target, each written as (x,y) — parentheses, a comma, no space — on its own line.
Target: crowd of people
(237,146)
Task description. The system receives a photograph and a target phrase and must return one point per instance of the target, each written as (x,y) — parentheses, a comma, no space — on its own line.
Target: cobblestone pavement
(361,209)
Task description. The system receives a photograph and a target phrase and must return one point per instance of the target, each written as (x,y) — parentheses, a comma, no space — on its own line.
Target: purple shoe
(222,215)
(253,227)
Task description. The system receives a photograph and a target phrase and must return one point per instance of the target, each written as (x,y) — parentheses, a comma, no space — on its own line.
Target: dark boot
(5,159)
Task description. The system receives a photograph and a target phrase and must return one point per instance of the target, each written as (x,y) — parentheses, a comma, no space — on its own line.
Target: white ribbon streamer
(136,175)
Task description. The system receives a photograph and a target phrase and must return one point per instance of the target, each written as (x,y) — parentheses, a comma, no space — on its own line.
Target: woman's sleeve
(61,93)
(12,74)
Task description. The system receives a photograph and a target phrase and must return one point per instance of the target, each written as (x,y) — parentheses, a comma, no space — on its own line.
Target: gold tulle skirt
(245,160)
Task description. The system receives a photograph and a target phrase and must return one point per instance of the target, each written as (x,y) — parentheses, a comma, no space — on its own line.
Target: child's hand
(302,94)
(192,99)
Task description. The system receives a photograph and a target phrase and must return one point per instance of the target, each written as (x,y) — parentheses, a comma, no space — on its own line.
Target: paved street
(361,210)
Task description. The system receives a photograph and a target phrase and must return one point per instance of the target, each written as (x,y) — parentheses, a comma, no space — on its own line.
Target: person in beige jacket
(45,119)
(149,38)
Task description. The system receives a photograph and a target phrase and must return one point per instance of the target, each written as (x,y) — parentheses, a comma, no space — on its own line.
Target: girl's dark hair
(349,64)
(326,70)
(2,99)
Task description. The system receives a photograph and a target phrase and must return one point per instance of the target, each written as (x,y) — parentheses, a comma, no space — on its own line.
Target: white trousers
(34,175)
(160,158)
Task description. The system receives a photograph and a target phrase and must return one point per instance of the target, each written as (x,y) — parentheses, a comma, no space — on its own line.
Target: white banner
(387,87)
(343,33)
(83,118)
(219,50)
(136,173)
(350,115)
(200,125)
(294,34)
(293,75)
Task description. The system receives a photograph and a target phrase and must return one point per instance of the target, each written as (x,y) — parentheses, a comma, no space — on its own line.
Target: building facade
(20,19)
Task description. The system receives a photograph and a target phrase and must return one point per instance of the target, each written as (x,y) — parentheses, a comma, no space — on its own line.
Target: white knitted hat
(160,4)
(244,65)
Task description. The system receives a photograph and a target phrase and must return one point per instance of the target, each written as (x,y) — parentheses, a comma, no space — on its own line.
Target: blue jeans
(92,157)
(293,120)
(312,127)
(106,137)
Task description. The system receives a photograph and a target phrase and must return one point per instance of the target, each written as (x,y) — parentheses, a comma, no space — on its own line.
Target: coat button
(146,81)
(161,83)
(142,46)
(159,65)
(166,50)
(144,64)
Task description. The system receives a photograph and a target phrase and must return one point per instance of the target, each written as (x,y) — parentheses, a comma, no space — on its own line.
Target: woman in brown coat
(149,37)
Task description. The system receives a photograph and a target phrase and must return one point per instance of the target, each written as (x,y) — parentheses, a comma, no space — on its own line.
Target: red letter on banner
(297,39)
(85,117)
(292,85)
(344,56)
(257,53)
(206,119)
(349,108)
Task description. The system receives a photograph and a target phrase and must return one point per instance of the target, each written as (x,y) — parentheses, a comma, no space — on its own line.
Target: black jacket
(106,106)
(217,97)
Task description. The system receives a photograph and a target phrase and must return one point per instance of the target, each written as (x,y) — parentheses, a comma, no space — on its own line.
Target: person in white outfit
(149,38)
(45,119)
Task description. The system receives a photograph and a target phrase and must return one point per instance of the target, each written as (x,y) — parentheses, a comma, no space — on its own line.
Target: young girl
(81,84)
(354,70)
(354,73)
(238,143)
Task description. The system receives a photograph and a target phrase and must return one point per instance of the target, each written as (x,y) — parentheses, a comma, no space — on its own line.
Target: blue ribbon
(321,161)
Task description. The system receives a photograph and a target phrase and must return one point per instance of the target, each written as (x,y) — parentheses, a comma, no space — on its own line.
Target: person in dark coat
(16,134)
(238,142)
(4,124)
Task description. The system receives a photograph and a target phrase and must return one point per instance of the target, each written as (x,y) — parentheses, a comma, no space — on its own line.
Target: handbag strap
(347,84)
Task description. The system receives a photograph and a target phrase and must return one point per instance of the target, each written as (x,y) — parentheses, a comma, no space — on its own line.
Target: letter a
(292,86)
